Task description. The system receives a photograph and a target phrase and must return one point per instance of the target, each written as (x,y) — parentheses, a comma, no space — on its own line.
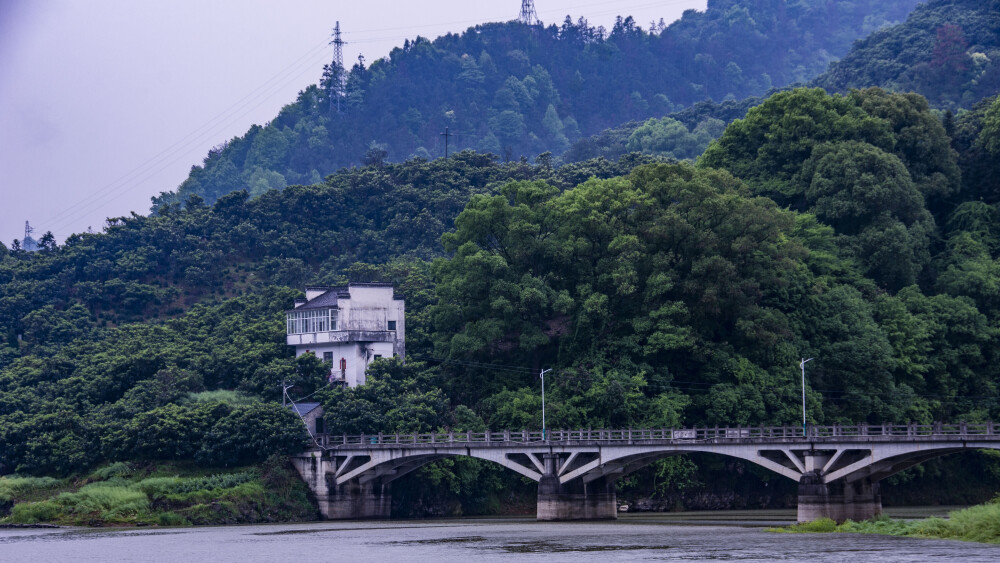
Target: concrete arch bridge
(838,468)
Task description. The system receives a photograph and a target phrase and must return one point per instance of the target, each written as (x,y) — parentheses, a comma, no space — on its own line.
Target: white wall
(369,310)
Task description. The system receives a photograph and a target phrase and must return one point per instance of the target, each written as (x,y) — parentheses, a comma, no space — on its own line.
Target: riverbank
(979,524)
(163,494)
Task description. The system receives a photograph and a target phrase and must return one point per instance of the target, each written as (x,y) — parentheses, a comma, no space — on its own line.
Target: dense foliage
(947,50)
(871,164)
(662,295)
(81,381)
(673,295)
(684,134)
(862,229)
(514,90)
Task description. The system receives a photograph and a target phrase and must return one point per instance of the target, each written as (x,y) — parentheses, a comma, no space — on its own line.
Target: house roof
(303,409)
(325,300)
(328,299)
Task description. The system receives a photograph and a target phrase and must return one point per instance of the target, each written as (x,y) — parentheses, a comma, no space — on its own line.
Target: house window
(312,320)
(392,325)
(320,426)
(328,358)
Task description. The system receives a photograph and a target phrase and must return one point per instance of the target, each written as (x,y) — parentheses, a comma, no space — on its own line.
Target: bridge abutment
(576,500)
(356,501)
(839,501)
(352,500)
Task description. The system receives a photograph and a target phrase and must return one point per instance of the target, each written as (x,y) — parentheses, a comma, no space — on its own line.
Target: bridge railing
(680,435)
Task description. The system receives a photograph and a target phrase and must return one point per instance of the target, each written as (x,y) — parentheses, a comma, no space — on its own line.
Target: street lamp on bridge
(802,365)
(542,375)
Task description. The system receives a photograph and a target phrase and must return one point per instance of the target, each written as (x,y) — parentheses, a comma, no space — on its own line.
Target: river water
(634,537)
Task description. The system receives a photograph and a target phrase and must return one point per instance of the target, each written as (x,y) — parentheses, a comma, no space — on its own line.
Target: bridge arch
(837,468)
(389,465)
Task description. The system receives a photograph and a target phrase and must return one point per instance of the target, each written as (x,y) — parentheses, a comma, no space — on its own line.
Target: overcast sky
(105,103)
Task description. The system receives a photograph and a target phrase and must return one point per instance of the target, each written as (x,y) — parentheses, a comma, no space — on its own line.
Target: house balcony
(337,336)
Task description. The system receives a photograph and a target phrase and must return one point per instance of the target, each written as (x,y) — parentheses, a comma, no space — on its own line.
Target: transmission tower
(29,243)
(338,78)
(528,15)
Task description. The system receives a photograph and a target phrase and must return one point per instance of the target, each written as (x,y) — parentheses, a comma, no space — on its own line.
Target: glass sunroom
(311,320)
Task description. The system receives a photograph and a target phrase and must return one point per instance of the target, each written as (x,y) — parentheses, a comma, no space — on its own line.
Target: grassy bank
(124,494)
(976,524)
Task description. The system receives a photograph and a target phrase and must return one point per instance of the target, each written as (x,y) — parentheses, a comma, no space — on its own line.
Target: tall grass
(110,503)
(977,524)
(158,487)
(35,512)
(121,494)
(18,487)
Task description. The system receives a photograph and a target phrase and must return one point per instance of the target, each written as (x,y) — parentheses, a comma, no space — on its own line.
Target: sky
(106,103)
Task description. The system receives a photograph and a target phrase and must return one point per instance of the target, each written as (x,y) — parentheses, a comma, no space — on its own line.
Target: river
(730,535)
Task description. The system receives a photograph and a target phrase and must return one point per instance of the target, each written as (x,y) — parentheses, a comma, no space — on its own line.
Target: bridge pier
(353,500)
(839,500)
(576,500)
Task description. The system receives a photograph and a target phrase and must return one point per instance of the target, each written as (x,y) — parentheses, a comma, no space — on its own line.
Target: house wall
(362,332)
(310,419)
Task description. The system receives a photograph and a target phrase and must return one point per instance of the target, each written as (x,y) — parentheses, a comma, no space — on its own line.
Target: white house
(348,327)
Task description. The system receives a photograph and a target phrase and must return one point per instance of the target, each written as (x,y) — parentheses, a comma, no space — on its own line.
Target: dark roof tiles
(304,408)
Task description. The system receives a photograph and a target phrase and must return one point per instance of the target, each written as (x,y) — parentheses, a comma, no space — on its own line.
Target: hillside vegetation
(515,90)
(663,294)
(671,269)
(947,50)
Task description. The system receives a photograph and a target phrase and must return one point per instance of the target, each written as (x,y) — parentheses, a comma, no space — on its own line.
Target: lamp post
(542,375)
(802,365)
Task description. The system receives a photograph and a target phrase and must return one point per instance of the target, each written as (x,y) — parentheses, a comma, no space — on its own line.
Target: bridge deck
(772,435)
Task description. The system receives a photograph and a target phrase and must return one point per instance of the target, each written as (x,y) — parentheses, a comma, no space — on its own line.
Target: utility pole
(339,78)
(446,134)
(284,393)
(528,15)
(802,365)
(542,375)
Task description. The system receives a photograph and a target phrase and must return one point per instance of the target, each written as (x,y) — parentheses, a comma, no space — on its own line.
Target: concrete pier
(355,501)
(352,500)
(575,500)
(839,501)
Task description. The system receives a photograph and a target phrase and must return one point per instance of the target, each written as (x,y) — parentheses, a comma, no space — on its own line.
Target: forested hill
(947,50)
(862,230)
(515,90)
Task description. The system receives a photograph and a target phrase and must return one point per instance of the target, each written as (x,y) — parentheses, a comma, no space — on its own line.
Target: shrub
(158,487)
(34,512)
(171,519)
(117,469)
